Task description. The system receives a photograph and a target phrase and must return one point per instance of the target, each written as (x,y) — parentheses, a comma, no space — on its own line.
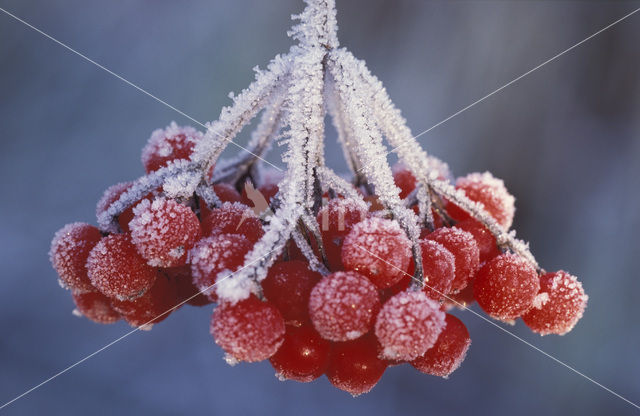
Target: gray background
(566,140)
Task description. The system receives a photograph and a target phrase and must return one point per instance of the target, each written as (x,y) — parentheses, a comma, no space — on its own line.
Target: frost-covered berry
(233,218)
(336,219)
(404,180)
(173,143)
(303,356)
(225,192)
(343,305)
(465,250)
(216,254)
(111,195)
(186,291)
(95,306)
(506,286)
(448,352)
(439,268)
(354,366)
(558,306)
(70,248)
(407,325)
(288,286)
(117,270)
(249,330)
(491,193)
(487,246)
(152,307)
(164,231)
(379,249)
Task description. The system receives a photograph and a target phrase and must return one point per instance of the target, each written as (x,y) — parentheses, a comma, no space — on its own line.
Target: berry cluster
(318,273)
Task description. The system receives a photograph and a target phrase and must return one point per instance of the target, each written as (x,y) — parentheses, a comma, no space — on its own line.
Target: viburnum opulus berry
(487,245)
(165,145)
(116,269)
(233,218)
(111,195)
(248,330)
(154,306)
(404,180)
(354,366)
(506,286)
(558,306)
(336,219)
(465,250)
(288,286)
(303,356)
(438,267)
(446,355)
(70,248)
(407,325)
(95,306)
(378,249)
(186,291)
(490,192)
(164,231)
(343,305)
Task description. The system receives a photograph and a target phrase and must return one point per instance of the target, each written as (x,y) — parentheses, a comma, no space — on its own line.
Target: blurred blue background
(566,140)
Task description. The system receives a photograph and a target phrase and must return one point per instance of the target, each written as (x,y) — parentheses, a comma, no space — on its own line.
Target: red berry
(485,240)
(185,289)
(354,366)
(117,270)
(225,192)
(111,195)
(379,249)
(70,248)
(342,306)
(233,218)
(465,250)
(558,306)
(404,180)
(336,219)
(506,286)
(408,325)
(164,231)
(172,143)
(95,306)
(303,356)
(249,330)
(288,286)
(214,255)
(490,192)
(448,352)
(439,268)
(152,307)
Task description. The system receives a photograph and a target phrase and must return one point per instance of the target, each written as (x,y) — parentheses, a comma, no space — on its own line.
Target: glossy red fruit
(439,268)
(336,219)
(303,356)
(506,286)
(172,143)
(116,269)
(379,249)
(186,291)
(448,352)
(462,299)
(343,305)
(249,330)
(111,195)
(490,192)
(558,306)
(95,306)
(404,180)
(407,325)
(288,286)
(70,248)
(216,254)
(487,245)
(465,250)
(354,366)
(233,218)
(164,231)
(152,307)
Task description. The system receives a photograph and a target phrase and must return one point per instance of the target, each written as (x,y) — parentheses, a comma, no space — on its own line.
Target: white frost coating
(184,183)
(318,25)
(341,186)
(157,145)
(307,251)
(540,300)
(233,288)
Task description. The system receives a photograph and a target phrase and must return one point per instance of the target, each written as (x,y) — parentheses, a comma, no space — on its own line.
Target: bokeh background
(566,140)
